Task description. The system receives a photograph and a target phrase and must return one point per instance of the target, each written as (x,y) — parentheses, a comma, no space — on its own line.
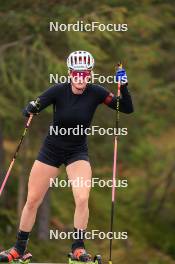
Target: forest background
(28,54)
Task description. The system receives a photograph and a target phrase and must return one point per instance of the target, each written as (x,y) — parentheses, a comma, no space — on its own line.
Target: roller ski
(81,256)
(12,256)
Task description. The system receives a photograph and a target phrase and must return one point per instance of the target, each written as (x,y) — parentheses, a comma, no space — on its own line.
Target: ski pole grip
(37,103)
(29,120)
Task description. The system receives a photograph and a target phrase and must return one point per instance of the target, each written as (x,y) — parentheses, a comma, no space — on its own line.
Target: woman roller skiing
(74,104)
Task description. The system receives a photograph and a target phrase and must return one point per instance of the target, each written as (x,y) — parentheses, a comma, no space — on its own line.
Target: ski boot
(11,255)
(81,256)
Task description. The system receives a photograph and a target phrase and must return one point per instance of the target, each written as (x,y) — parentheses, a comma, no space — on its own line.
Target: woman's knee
(81,200)
(33,202)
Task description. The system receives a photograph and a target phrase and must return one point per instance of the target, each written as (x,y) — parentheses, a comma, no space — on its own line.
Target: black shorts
(56,156)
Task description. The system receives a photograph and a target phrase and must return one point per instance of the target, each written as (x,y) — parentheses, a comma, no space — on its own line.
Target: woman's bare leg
(80,169)
(39,182)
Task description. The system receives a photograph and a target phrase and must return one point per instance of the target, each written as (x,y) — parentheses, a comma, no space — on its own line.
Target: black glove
(124,89)
(31,108)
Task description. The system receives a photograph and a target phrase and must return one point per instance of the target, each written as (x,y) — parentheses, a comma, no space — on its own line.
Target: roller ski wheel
(12,256)
(74,260)
(98,259)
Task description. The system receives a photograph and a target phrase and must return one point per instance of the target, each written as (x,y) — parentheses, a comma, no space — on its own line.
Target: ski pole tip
(120,65)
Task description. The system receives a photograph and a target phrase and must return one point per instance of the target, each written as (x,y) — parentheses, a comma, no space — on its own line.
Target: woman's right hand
(31,108)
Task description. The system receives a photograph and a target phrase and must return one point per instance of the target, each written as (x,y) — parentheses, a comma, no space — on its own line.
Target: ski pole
(15,154)
(115,169)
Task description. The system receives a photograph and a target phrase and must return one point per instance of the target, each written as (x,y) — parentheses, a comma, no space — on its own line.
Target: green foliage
(29,53)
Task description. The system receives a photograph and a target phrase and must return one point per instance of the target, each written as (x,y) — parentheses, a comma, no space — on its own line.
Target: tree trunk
(21,191)
(1,150)
(43,218)
(168,184)
(2,159)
